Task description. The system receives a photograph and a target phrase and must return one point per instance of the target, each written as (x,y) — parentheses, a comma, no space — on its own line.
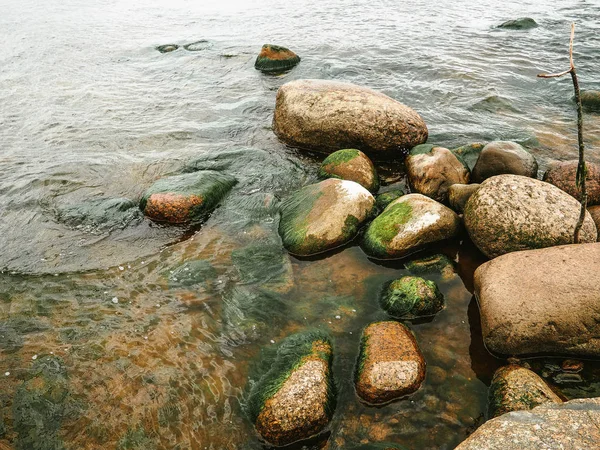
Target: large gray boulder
(510,213)
(542,301)
(503,157)
(330,115)
(569,426)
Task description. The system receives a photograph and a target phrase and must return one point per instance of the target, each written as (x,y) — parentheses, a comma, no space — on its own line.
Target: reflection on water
(119,333)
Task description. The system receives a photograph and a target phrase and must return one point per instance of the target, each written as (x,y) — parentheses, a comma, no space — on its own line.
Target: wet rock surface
(294,399)
(100,215)
(516,388)
(353,165)
(571,426)
(410,297)
(459,194)
(408,224)
(522,23)
(503,157)
(590,101)
(595,213)
(390,364)
(274,59)
(510,213)
(563,174)
(329,115)
(469,154)
(431,171)
(541,301)
(323,216)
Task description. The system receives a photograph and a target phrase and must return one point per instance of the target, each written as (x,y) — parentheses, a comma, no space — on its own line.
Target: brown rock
(562,175)
(503,157)
(510,213)
(542,301)
(595,213)
(569,426)
(459,194)
(353,165)
(390,364)
(516,388)
(329,115)
(432,172)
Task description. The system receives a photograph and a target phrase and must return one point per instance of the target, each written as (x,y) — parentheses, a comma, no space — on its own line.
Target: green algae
(363,355)
(385,227)
(192,273)
(384,199)
(277,363)
(294,224)
(411,297)
(337,158)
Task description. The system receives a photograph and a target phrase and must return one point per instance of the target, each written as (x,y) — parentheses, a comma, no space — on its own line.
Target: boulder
(541,301)
(503,157)
(353,165)
(390,364)
(273,58)
(186,198)
(522,23)
(385,198)
(469,154)
(431,171)
(590,101)
(407,225)
(293,399)
(510,213)
(595,213)
(329,115)
(562,175)
(516,388)
(411,297)
(323,216)
(459,194)
(568,426)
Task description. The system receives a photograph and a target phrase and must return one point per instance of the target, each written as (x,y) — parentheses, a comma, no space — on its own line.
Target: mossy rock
(292,396)
(192,273)
(411,297)
(385,198)
(323,216)
(187,198)
(167,48)
(590,101)
(274,58)
(432,264)
(99,215)
(353,165)
(468,154)
(522,23)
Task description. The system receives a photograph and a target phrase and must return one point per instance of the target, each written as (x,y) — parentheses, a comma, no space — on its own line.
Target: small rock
(390,364)
(407,225)
(515,388)
(572,365)
(522,23)
(323,216)
(562,175)
(439,264)
(459,194)
(431,171)
(353,165)
(167,48)
(385,198)
(504,157)
(410,297)
(273,58)
(469,154)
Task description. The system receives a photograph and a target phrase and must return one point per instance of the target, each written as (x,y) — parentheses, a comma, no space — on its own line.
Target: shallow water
(143,355)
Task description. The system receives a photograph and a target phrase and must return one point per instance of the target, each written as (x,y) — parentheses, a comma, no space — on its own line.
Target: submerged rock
(329,115)
(265,263)
(411,297)
(469,154)
(323,216)
(522,23)
(459,194)
(510,213)
(562,175)
(294,398)
(192,273)
(385,198)
(432,264)
(590,101)
(273,58)
(504,157)
(572,425)
(431,171)
(353,165)
(408,224)
(186,198)
(100,215)
(167,48)
(541,301)
(198,46)
(516,388)
(390,364)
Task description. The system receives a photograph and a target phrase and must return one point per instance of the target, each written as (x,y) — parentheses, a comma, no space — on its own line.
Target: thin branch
(553,75)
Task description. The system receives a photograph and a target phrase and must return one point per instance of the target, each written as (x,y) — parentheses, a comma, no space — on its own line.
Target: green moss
(363,354)
(293,225)
(384,199)
(422,149)
(337,158)
(278,363)
(410,297)
(385,227)
(350,227)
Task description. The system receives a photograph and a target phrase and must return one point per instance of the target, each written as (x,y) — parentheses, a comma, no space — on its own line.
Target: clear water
(89,110)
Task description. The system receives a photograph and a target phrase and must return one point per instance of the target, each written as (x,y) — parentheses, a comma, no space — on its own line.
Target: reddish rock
(562,175)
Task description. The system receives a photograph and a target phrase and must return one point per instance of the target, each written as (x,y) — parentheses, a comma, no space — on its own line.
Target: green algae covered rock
(323,216)
(407,225)
(390,364)
(273,58)
(411,297)
(385,198)
(353,165)
(100,215)
(186,198)
(292,397)
(516,388)
(468,154)
(590,101)
(522,23)
(192,273)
